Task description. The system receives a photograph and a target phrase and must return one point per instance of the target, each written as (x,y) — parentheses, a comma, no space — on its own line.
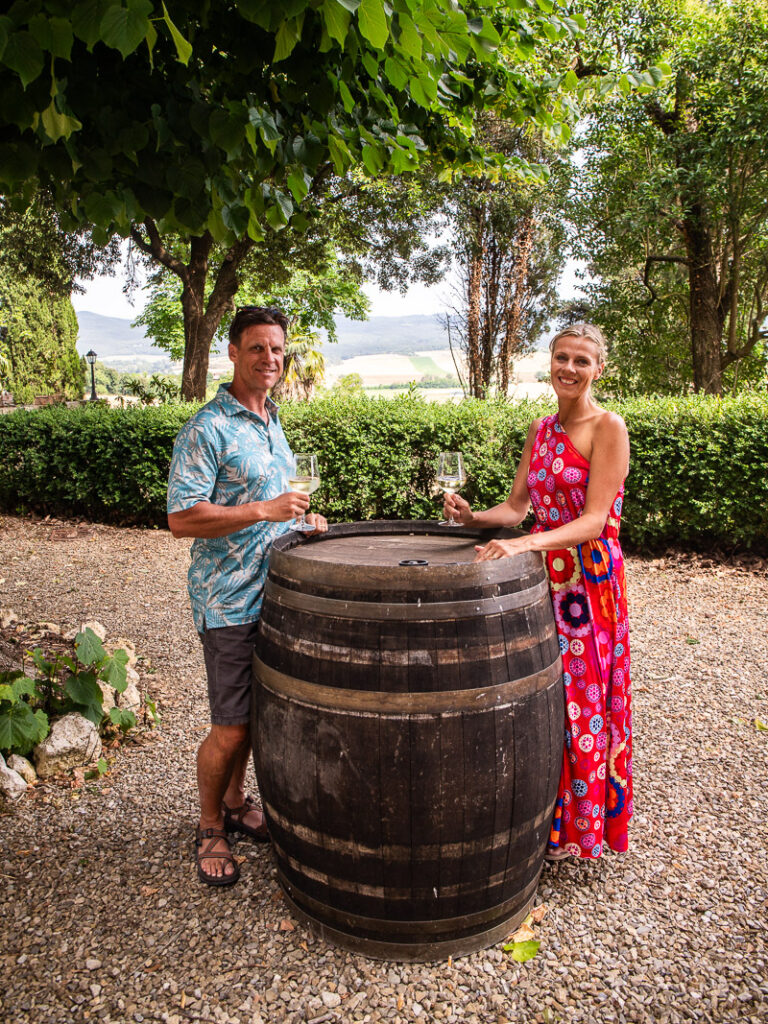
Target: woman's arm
(608,467)
(510,512)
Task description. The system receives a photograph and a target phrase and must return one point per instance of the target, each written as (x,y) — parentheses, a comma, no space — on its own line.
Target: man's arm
(206,519)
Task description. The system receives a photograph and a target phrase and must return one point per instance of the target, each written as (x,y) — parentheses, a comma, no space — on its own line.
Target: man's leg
(223,755)
(219,759)
(235,794)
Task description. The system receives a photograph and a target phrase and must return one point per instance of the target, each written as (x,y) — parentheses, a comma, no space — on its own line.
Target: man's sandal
(233,821)
(210,837)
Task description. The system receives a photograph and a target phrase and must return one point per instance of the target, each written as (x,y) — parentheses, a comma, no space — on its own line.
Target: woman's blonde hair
(584,331)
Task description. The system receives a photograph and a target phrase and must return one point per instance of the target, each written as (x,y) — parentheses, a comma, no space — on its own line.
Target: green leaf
(340,154)
(57,125)
(410,40)
(124,28)
(23,55)
(84,691)
(396,73)
(21,728)
(23,686)
(183,47)
(125,720)
(43,666)
(288,35)
(114,671)
(346,96)
(299,182)
(372,22)
(53,34)
(522,951)
(373,160)
(88,647)
(336,18)
(6,692)
(227,131)
(760,725)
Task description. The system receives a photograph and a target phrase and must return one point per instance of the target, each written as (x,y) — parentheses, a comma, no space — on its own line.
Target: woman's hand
(317,522)
(503,548)
(456,507)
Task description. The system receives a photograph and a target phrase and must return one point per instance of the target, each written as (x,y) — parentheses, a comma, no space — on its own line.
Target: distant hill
(400,335)
(118,344)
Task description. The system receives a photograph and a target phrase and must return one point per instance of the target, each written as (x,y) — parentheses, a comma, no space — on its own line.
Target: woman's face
(575,364)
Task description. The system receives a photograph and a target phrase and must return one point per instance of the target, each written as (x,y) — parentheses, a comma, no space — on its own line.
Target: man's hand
(289,505)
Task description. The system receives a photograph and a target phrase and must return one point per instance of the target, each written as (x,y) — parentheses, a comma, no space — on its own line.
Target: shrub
(697,474)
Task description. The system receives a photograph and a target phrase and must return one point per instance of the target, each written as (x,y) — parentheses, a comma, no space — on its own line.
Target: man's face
(259,357)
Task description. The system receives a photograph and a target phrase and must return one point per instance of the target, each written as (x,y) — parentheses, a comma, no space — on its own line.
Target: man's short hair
(249,316)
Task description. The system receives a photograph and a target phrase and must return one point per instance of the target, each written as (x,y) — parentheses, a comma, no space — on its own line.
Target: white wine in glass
(305,478)
(451,477)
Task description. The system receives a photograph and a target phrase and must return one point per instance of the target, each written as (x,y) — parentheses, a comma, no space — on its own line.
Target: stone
(73,742)
(122,643)
(96,626)
(330,999)
(12,786)
(7,616)
(49,627)
(23,767)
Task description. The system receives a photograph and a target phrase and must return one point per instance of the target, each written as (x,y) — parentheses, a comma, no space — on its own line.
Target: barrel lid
(385,547)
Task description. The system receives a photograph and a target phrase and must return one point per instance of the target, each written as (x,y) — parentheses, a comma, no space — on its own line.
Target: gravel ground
(104,919)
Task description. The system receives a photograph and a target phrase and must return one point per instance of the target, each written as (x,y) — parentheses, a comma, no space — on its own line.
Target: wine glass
(304,477)
(451,477)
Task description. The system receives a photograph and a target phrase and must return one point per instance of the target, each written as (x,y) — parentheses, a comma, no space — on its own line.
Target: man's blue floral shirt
(228,455)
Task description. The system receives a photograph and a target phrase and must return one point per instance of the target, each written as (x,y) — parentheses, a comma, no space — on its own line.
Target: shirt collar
(231,407)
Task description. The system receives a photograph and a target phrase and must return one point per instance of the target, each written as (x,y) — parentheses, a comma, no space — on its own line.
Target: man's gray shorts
(228,652)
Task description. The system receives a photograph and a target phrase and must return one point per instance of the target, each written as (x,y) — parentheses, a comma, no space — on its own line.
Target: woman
(572,470)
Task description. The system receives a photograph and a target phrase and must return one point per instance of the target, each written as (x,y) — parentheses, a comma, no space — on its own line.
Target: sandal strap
(238,813)
(211,834)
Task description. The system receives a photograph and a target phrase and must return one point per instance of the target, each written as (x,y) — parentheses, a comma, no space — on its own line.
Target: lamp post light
(91,357)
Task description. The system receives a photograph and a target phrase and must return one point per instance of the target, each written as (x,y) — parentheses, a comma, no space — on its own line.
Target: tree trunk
(515,294)
(706,309)
(201,319)
(474,292)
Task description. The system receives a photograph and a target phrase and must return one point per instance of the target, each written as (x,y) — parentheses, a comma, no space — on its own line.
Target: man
(227,489)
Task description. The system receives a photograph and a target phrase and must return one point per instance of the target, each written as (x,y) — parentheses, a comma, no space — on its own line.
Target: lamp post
(91,357)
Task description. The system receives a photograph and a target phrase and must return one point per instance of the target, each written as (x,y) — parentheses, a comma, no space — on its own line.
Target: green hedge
(697,476)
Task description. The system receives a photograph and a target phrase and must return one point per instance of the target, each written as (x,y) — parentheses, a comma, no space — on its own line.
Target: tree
(671,205)
(38,327)
(309,284)
(509,249)
(236,115)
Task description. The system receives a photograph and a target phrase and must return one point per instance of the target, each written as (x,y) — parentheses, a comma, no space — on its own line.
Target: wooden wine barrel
(408,735)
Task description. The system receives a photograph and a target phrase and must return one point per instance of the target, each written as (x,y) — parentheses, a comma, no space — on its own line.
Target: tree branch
(647,269)
(157,250)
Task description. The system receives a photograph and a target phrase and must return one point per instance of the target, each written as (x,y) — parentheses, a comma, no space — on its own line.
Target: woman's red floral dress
(594,802)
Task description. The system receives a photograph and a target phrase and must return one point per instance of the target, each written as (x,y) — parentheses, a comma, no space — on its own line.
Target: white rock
(23,767)
(96,626)
(92,964)
(107,697)
(73,741)
(12,786)
(330,999)
(130,698)
(122,643)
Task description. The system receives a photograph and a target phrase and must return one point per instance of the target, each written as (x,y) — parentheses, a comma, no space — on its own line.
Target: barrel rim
(409,577)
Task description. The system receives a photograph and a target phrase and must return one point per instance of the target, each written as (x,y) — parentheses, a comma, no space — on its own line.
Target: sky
(104,295)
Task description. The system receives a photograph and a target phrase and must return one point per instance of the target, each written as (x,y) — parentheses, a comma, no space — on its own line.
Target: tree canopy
(671,206)
(220,117)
